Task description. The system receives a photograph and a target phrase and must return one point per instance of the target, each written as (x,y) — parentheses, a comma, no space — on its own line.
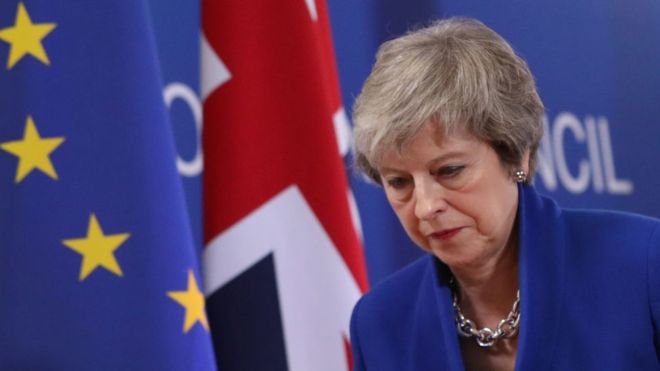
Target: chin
(455,256)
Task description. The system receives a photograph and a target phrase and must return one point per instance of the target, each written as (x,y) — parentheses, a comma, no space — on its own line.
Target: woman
(449,122)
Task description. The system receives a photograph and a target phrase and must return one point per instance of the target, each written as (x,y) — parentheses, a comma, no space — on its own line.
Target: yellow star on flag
(33,152)
(25,37)
(97,249)
(193,301)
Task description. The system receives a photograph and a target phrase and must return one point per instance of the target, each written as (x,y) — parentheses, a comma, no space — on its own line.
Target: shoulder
(385,321)
(611,228)
(404,283)
(399,324)
(545,212)
(591,234)
(607,218)
(603,247)
(394,301)
(616,255)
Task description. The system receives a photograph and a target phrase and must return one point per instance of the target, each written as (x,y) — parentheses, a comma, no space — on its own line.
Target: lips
(445,234)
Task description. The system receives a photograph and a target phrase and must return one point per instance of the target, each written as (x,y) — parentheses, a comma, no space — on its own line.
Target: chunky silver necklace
(486,337)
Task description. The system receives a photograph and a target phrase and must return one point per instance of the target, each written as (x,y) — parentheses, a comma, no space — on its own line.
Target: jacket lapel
(443,297)
(541,268)
(435,342)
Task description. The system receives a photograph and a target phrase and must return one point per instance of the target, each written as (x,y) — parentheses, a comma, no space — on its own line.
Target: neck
(487,291)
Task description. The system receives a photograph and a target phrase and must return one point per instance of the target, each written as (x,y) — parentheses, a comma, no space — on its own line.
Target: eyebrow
(443,157)
(448,155)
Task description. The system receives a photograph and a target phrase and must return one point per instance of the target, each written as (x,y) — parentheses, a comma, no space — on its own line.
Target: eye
(449,171)
(398,182)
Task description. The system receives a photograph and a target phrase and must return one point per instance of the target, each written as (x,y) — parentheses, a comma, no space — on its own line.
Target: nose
(429,199)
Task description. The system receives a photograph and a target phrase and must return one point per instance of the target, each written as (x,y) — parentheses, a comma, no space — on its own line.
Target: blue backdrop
(596,67)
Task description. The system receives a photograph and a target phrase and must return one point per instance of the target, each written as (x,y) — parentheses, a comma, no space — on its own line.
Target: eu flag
(97,265)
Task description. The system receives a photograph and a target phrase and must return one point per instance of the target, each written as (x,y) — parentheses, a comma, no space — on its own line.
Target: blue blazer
(589,291)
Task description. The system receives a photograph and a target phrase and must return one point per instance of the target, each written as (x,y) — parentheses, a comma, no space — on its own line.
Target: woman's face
(452,195)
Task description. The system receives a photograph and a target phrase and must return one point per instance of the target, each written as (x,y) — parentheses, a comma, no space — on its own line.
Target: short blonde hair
(456,72)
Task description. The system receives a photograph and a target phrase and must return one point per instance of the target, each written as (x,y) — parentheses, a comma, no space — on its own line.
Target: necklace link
(486,337)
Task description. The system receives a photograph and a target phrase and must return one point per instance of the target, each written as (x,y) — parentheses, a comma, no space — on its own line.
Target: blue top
(589,291)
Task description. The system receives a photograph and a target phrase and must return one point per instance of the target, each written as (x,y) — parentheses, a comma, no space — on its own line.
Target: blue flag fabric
(97,265)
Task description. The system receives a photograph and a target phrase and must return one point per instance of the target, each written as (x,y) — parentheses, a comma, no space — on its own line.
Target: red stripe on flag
(270,125)
(349,352)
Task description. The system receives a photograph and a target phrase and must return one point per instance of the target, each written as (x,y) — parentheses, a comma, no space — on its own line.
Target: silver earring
(520,176)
